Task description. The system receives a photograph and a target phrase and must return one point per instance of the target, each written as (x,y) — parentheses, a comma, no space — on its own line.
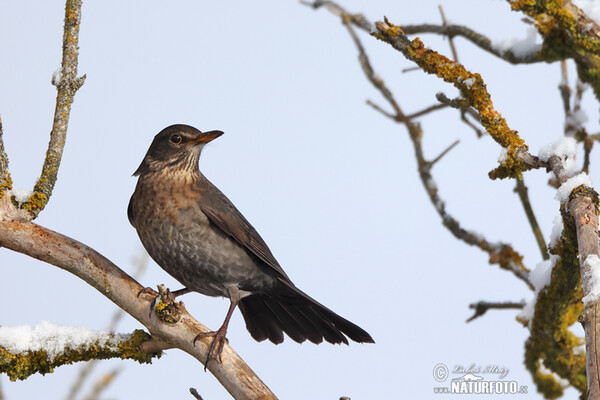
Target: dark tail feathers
(300,317)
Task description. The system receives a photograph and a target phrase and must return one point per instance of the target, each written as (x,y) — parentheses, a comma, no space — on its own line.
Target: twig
(474,37)
(499,253)
(564,88)
(443,153)
(450,37)
(102,384)
(481,307)
(369,73)
(195,393)
(588,144)
(425,111)
(75,257)
(67,86)
(86,369)
(463,118)
(1,392)
(459,103)
(522,191)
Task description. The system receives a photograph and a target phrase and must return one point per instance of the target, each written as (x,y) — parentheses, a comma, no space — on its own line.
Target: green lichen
(21,366)
(565,36)
(6,184)
(37,201)
(472,88)
(167,311)
(558,307)
(586,191)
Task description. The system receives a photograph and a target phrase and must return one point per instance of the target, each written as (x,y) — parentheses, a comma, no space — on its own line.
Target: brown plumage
(198,236)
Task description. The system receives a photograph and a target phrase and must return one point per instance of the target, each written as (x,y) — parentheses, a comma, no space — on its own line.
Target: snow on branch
(26,350)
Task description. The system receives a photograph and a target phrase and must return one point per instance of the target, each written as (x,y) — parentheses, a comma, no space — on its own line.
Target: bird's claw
(216,345)
(148,290)
(151,292)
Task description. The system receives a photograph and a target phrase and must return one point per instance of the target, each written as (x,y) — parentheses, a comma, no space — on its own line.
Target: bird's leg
(216,346)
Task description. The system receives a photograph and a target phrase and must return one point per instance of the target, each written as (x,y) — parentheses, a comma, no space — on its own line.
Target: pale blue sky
(330,184)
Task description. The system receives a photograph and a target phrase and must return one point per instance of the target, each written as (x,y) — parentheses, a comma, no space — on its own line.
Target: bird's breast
(181,239)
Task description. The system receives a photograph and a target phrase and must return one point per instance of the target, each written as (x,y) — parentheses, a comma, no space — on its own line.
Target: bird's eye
(176,139)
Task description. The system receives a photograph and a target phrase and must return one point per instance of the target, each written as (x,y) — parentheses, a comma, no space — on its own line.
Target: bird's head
(176,146)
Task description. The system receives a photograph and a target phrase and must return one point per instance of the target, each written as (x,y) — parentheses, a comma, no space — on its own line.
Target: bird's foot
(216,345)
(151,292)
(168,307)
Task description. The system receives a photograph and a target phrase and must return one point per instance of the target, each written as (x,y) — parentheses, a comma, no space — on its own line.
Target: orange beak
(206,137)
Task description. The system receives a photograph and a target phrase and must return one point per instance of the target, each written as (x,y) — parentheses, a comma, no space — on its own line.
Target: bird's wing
(130,213)
(225,216)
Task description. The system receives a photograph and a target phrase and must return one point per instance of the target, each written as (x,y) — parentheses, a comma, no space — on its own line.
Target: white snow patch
(593,276)
(563,192)
(574,121)
(520,47)
(564,383)
(539,278)
(21,195)
(557,229)
(56,77)
(591,8)
(566,149)
(503,155)
(54,339)
(469,82)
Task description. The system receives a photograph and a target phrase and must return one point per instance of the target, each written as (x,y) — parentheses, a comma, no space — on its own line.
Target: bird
(196,234)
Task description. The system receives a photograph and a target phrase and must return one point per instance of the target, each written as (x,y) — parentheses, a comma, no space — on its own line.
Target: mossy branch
(471,86)
(67,84)
(476,38)
(568,33)
(557,307)
(22,365)
(5,181)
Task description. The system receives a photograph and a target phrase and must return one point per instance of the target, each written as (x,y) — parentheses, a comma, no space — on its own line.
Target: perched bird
(198,236)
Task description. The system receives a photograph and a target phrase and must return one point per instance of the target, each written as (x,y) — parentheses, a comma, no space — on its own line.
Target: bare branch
(476,38)
(499,253)
(67,84)
(443,153)
(425,111)
(102,384)
(450,37)
(565,89)
(195,393)
(75,257)
(522,191)
(370,74)
(481,307)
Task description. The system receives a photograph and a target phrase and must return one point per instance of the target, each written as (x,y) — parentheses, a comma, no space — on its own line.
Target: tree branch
(21,365)
(583,209)
(474,37)
(75,257)
(5,182)
(499,253)
(481,307)
(67,84)
(522,191)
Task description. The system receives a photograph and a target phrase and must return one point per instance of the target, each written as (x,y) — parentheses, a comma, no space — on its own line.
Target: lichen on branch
(471,86)
(67,85)
(24,364)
